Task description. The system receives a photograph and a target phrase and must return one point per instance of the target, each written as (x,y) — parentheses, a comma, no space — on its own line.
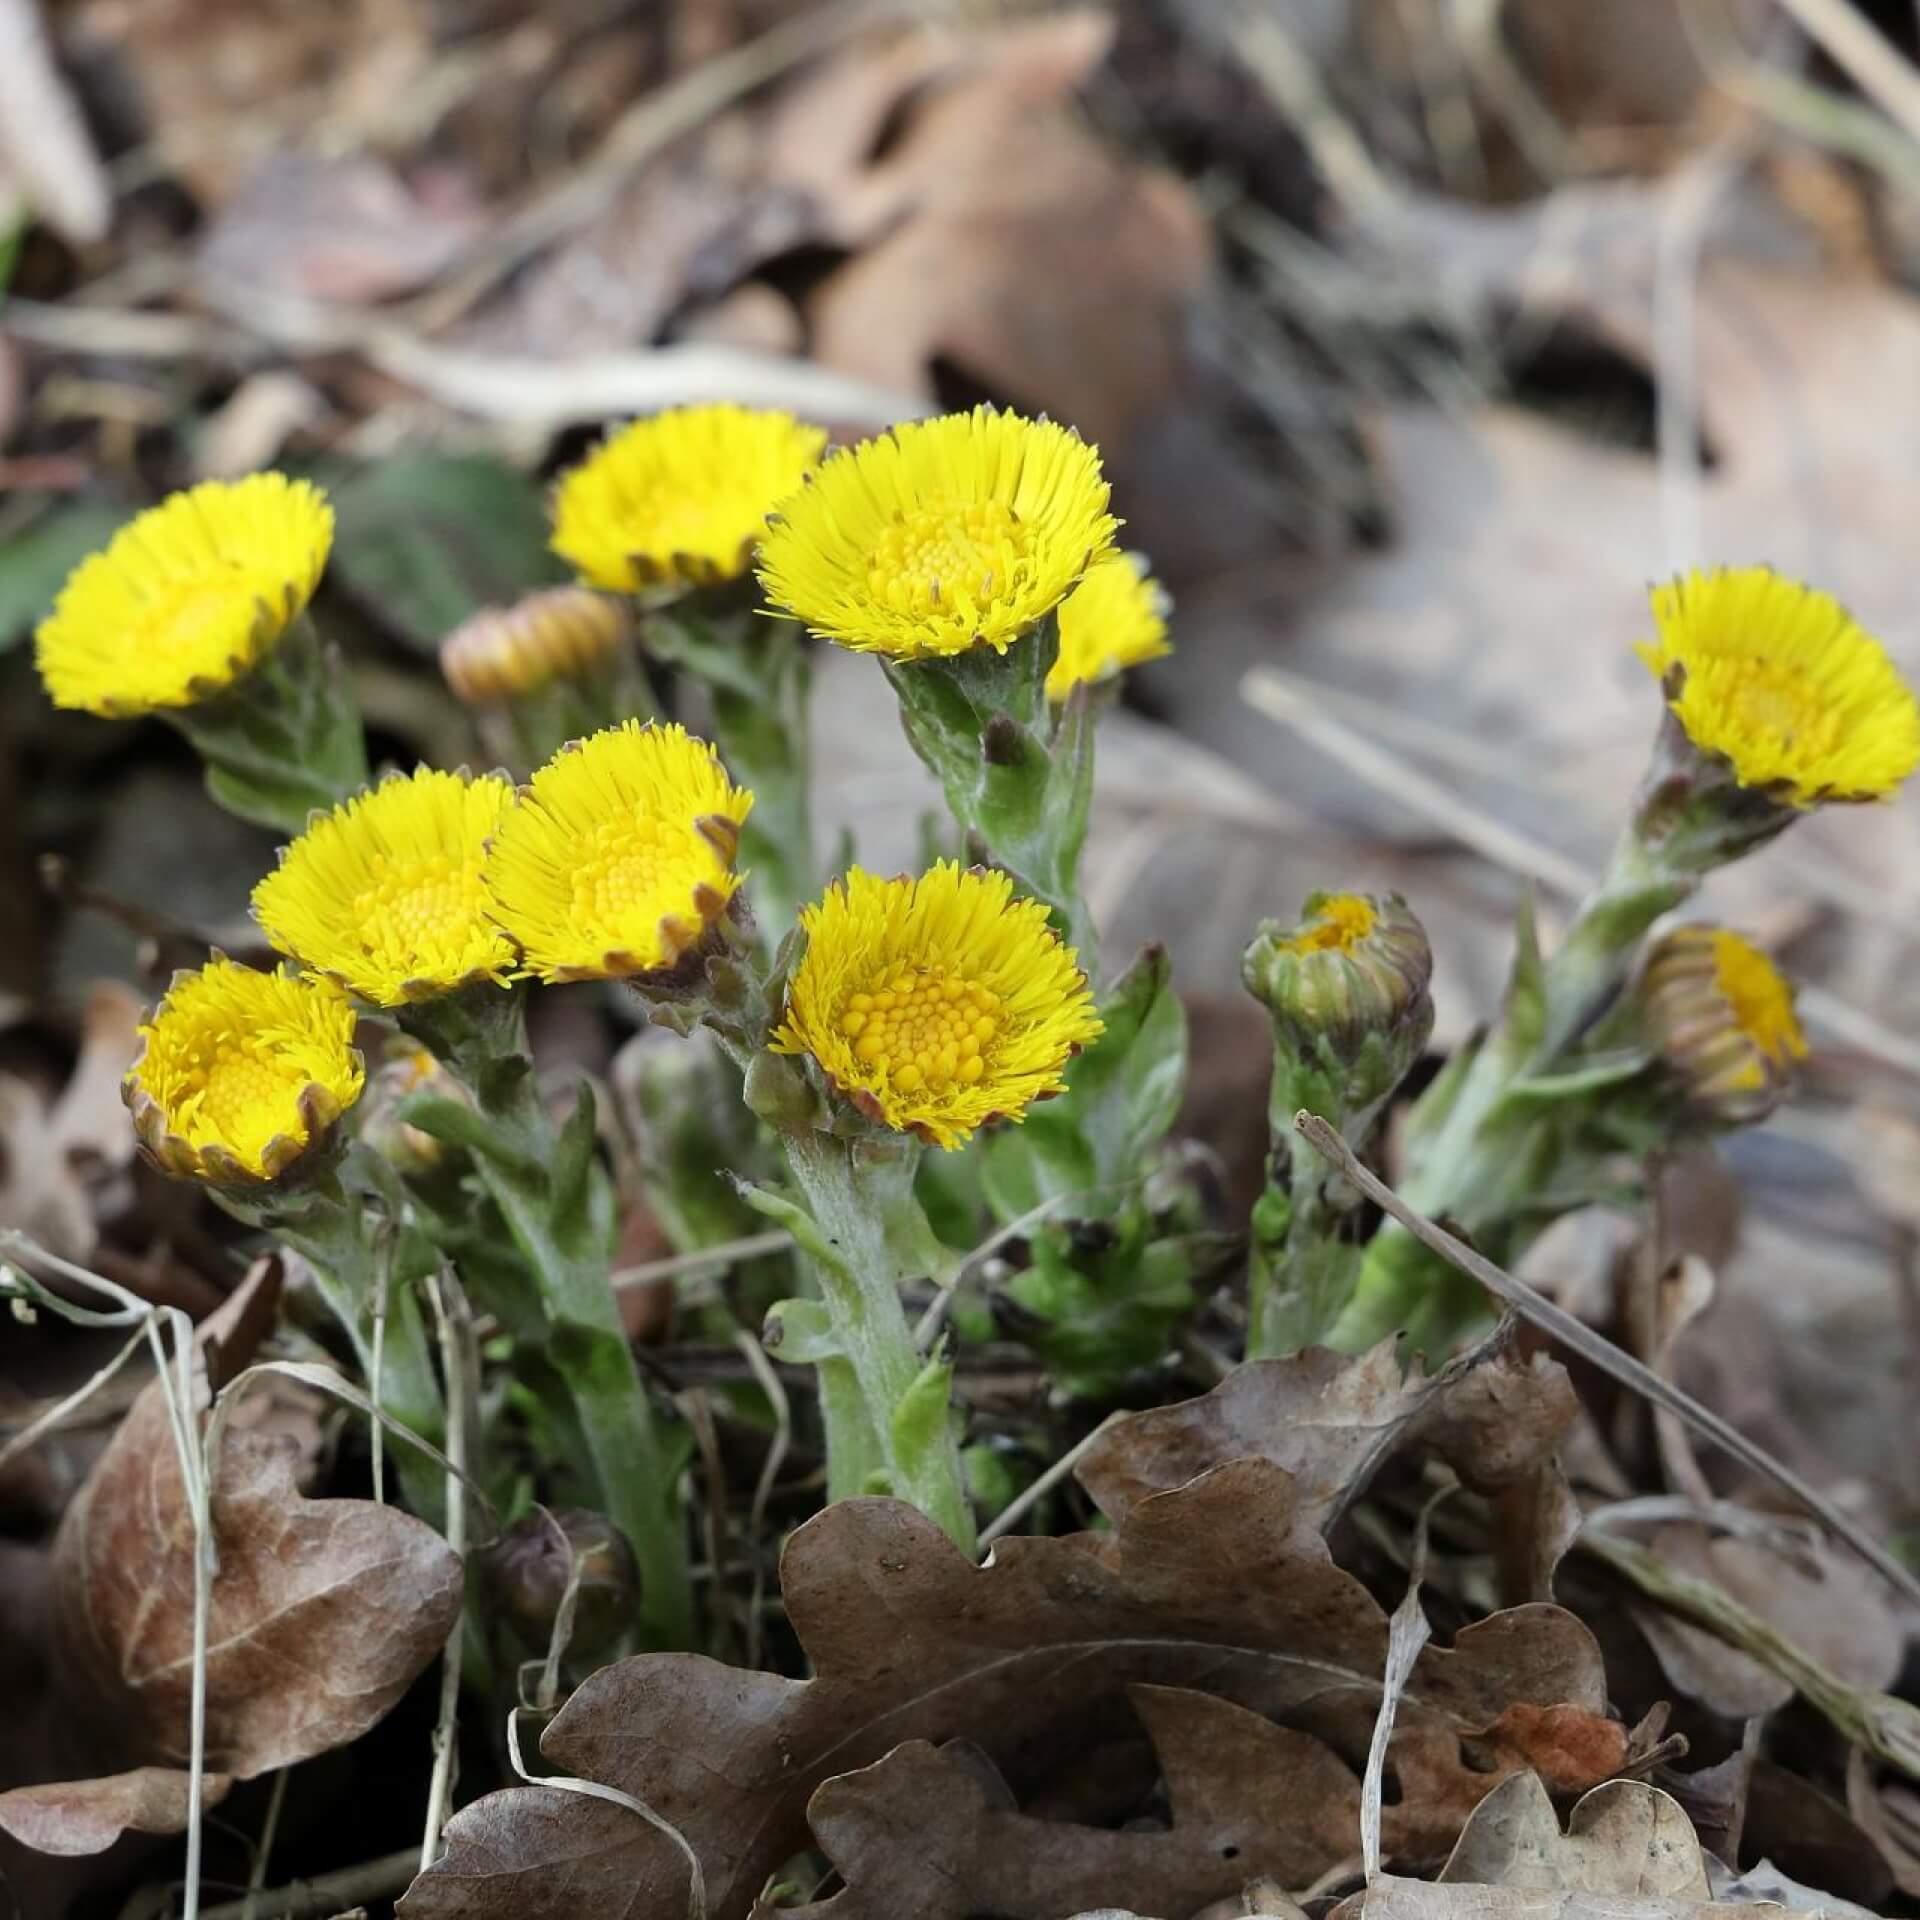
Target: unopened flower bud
(501,653)
(408,1069)
(528,1570)
(1720,1016)
(1348,992)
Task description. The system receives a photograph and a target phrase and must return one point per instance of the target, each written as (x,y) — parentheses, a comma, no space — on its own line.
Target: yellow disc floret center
(624,865)
(1759,997)
(1772,698)
(426,907)
(923,1028)
(954,551)
(1343,921)
(247,1101)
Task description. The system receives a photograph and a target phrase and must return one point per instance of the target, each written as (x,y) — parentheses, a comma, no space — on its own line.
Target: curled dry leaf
(1330,1421)
(1223,1585)
(323,1612)
(1629,1853)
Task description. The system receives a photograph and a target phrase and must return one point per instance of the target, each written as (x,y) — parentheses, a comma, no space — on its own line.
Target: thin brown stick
(1596,1349)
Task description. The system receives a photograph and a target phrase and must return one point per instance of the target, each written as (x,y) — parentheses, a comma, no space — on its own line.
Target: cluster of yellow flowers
(935,1003)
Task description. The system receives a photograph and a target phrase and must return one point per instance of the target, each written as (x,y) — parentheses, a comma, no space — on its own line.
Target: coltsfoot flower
(680,499)
(188,598)
(383,895)
(1778,681)
(241,1073)
(936,1004)
(560,633)
(1722,1018)
(940,535)
(1114,619)
(618,856)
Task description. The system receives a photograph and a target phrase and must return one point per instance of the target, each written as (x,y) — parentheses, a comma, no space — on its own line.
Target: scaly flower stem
(332,1229)
(285,740)
(1303,1272)
(872,1238)
(1017,775)
(558,1206)
(1463,1167)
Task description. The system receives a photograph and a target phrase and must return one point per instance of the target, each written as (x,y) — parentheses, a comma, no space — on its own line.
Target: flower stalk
(558,1206)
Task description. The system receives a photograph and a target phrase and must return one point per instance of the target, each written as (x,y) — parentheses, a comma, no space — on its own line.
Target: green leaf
(423,540)
(918,1423)
(34,565)
(1526,1006)
(801,1331)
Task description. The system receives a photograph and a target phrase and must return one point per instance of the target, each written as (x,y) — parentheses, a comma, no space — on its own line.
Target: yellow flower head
(383,895)
(1115,618)
(186,599)
(936,1004)
(941,535)
(560,633)
(1778,680)
(618,856)
(1336,923)
(680,499)
(1722,1017)
(240,1072)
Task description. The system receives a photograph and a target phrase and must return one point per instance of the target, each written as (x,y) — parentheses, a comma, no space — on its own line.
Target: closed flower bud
(1721,1018)
(408,1069)
(1348,992)
(562,633)
(529,1567)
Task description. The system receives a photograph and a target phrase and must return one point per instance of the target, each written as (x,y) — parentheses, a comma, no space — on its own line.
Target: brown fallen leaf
(938,1836)
(88,1816)
(1629,1853)
(1330,1421)
(323,1612)
(993,232)
(1817,1599)
(342,228)
(56,1157)
(1223,1585)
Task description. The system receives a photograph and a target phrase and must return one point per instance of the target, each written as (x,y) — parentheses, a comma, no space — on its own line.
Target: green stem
(872,1238)
(333,1230)
(1299,1287)
(1017,773)
(284,741)
(558,1205)
(1465,1169)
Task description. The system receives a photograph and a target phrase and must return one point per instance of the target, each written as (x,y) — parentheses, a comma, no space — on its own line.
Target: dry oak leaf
(1222,1585)
(1330,1421)
(323,1611)
(1629,1853)
(935,1833)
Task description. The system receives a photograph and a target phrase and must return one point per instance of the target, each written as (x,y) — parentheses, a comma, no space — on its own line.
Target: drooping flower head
(559,633)
(241,1072)
(1778,680)
(936,1004)
(681,498)
(186,599)
(940,535)
(1722,1018)
(1114,619)
(618,856)
(383,895)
